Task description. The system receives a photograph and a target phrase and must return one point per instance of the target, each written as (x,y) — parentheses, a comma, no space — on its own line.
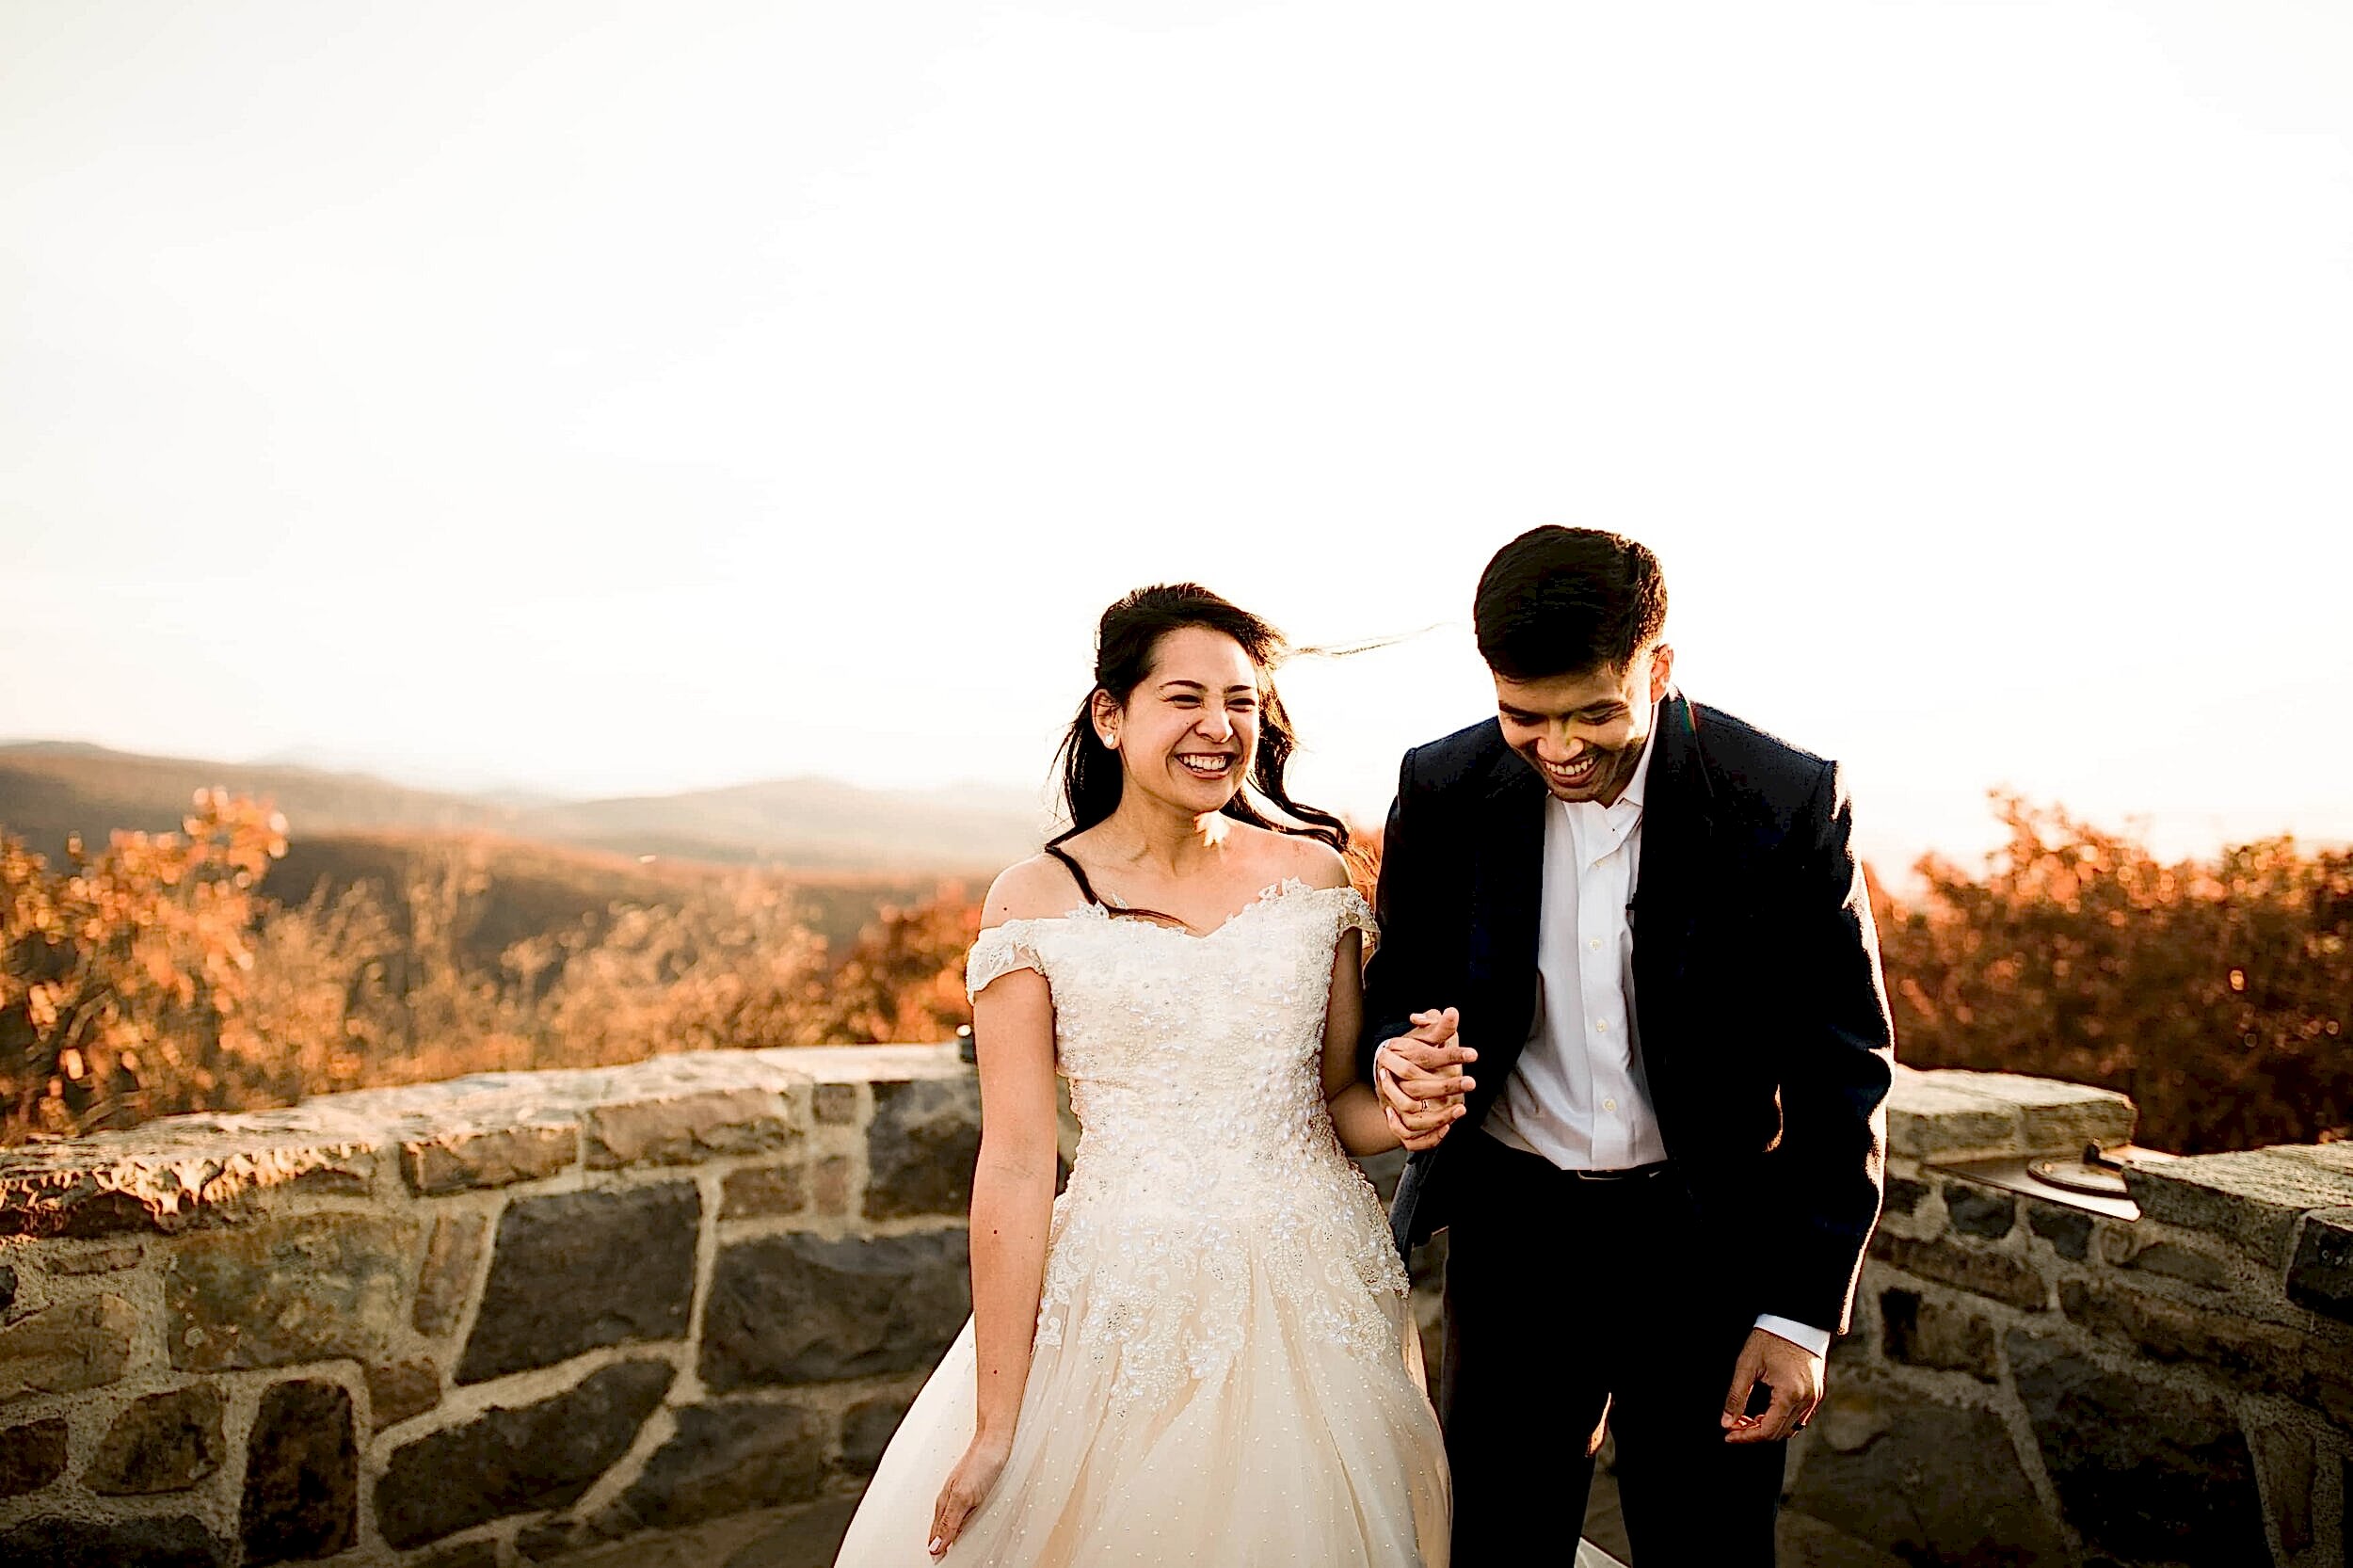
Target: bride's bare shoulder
(1037,889)
(1311,860)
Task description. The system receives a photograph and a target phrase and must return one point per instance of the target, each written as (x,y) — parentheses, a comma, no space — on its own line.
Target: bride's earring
(1110,740)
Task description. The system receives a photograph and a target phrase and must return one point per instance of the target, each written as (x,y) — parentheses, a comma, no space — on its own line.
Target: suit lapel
(1677,822)
(1507,894)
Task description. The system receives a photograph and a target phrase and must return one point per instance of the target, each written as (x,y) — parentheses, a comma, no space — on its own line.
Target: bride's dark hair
(1124,641)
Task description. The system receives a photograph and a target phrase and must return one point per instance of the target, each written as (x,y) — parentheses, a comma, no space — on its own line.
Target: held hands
(1420,1080)
(969,1483)
(1792,1373)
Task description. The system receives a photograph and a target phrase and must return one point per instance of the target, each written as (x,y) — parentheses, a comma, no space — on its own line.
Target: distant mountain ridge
(50,790)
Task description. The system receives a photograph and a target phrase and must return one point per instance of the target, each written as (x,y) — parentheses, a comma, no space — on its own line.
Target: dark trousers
(1568,1300)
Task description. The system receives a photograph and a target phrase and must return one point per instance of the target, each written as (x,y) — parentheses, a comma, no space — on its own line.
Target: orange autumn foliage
(2217,994)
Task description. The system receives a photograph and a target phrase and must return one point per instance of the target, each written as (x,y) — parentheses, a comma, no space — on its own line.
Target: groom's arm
(1837,1056)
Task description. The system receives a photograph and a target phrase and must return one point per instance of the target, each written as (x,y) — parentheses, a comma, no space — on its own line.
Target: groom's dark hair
(1563,601)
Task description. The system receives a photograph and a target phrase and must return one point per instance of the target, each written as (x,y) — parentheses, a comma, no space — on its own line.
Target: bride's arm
(1013,1203)
(1012,1186)
(1356,1113)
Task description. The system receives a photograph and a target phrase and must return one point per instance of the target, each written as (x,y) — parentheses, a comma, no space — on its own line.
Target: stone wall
(2033,1383)
(664,1312)
(668,1314)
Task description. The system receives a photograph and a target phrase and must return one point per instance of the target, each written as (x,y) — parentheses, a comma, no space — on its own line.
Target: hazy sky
(637,397)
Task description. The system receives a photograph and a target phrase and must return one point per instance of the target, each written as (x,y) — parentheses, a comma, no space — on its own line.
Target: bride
(1201,1353)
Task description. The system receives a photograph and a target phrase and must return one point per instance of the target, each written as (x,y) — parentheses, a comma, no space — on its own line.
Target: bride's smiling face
(1188,735)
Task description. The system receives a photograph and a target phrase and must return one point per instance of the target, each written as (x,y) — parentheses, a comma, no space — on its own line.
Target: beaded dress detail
(1224,1369)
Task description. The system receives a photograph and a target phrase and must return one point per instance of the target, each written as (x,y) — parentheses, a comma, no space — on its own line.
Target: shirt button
(1609,1105)
(1594,943)
(1601,1026)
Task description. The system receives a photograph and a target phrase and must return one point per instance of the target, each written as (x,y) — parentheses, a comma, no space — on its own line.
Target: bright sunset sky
(605,397)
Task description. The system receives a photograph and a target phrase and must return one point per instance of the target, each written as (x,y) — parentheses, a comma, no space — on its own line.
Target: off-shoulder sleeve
(1349,912)
(1002,949)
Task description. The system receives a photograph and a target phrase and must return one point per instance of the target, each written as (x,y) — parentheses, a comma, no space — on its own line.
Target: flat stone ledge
(2251,1198)
(164,1177)
(490,1131)
(1928,1118)
(1947,1113)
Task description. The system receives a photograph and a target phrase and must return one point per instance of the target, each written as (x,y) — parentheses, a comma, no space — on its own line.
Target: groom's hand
(1419,1077)
(1794,1375)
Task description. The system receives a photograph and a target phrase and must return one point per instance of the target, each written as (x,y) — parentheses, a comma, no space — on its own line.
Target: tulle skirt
(1270,1442)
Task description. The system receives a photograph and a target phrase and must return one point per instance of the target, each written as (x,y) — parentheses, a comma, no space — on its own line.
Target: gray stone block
(1924,1482)
(550,1540)
(305,1287)
(575,1271)
(809,1538)
(2321,1275)
(517,1461)
(1981,1210)
(1929,1117)
(473,1554)
(2251,1198)
(150,1543)
(401,1391)
(2260,1354)
(2067,1231)
(66,1348)
(802,1308)
(866,1428)
(1964,1268)
(301,1475)
(1903,1194)
(921,1147)
(837,1104)
(176,1172)
(2143,1471)
(446,1276)
(683,1130)
(2054,1115)
(763,1192)
(477,1158)
(1923,1334)
(163,1442)
(2171,1260)
(82,1263)
(31,1456)
(2287,1458)
(724,1459)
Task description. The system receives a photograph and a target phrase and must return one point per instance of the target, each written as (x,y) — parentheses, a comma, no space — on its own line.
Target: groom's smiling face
(1583,732)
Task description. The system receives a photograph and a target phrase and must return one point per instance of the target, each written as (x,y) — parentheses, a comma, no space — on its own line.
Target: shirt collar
(1641,780)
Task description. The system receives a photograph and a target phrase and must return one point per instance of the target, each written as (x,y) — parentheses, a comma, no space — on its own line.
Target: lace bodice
(1208,1165)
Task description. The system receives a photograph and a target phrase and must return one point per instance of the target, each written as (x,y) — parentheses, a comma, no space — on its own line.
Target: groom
(1626,942)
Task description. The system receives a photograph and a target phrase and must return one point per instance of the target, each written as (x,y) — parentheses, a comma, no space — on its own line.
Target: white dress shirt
(1578,1095)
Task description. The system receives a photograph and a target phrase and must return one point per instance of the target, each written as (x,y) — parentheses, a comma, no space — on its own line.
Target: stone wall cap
(1948,1113)
(2251,1198)
(174,1171)
(2018,1088)
(870,1063)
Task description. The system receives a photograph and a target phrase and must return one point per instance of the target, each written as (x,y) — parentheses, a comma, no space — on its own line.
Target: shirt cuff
(1804,1336)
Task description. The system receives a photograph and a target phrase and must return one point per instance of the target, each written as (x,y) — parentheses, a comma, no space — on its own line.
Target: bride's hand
(1420,1080)
(967,1484)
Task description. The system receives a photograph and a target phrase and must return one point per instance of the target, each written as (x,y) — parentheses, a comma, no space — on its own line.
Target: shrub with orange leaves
(125,967)
(2217,994)
(155,978)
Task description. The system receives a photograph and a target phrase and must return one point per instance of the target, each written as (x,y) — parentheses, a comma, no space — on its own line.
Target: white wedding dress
(1226,1373)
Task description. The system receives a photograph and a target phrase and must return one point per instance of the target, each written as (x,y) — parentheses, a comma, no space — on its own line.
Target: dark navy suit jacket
(1758,1004)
